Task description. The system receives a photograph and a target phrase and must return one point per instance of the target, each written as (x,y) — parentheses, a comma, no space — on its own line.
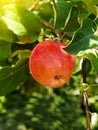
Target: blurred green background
(34,107)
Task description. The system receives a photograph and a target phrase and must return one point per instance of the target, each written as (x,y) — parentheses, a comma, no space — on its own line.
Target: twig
(47,25)
(56,33)
(85,94)
(87,110)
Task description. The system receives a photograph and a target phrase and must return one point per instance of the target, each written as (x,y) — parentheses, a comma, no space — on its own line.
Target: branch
(87,109)
(56,33)
(47,25)
(85,94)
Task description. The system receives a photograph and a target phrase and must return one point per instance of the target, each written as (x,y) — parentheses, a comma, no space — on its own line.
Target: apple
(50,64)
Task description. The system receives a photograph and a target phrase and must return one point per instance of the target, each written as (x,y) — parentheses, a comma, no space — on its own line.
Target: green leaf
(21,54)
(22,22)
(45,10)
(11,77)
(82,11)
(61,13)
(24,54)
(73,23)
(84,38)
(6,34)
(92,55)
(5,50)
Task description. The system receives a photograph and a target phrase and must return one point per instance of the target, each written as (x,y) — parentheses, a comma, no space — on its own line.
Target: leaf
(6,34)
(24,54)
(82,11)
(22,22)
(24,3)
(21,54)
(45,10)
(70,27)
(11,77)
(5,50)
(92,55)
(62,13)
(84,38)
(5,2)
(91,5)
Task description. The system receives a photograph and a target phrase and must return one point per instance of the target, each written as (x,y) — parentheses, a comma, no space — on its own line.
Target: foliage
(23,25)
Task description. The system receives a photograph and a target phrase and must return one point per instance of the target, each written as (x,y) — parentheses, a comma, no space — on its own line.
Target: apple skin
(50,65)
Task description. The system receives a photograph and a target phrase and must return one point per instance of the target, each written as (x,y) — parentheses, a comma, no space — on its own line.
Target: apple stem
(85,95)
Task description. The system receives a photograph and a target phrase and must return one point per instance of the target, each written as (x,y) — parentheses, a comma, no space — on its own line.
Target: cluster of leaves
(74,21)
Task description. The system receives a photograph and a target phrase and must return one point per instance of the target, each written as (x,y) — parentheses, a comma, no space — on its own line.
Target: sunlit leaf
(5,2)
(24,3)
(6,34)
(22,22)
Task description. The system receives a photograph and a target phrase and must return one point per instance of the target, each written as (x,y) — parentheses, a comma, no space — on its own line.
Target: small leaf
(22,22)
(84,38)
(24,54)
(11,77)
(62,13)
(21,53)
(92,55)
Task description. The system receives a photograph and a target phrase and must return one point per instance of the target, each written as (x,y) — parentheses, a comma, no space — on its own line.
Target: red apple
(50,65)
